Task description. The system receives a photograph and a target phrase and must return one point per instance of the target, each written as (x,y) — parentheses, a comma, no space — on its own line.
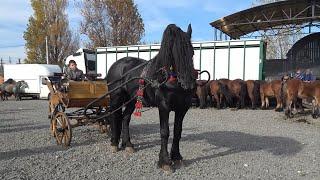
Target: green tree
(111,22)
(49,21)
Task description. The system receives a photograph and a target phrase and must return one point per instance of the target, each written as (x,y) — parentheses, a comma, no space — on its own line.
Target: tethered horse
(176,58)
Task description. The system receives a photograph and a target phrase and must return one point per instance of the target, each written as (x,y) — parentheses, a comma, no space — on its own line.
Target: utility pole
(47,50)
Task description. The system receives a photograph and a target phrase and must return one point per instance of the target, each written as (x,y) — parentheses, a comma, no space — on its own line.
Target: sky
(14,15)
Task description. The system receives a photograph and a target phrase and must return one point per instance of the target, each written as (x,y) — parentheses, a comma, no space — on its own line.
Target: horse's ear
(189,32)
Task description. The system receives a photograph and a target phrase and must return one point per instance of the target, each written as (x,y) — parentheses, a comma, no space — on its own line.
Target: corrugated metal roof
(264,17)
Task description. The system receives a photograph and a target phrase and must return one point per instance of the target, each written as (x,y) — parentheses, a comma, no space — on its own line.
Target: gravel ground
(216,144)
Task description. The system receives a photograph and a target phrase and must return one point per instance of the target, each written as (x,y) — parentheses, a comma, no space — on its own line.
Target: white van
(33,75)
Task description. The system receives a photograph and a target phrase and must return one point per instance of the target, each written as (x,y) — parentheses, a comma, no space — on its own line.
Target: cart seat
(81,93)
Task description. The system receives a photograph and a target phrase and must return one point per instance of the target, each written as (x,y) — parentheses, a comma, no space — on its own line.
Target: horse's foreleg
(164,161)
(125,127)
(175,151)
(262,101)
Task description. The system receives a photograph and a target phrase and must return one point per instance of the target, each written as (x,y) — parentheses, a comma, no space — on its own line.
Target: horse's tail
(243,93)
(209,95)
(225,92)
(202,95)
(256,92)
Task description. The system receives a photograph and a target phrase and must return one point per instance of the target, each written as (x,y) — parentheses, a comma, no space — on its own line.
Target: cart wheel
(61,129)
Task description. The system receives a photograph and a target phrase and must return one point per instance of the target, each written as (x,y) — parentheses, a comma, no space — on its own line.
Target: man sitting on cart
(72,72)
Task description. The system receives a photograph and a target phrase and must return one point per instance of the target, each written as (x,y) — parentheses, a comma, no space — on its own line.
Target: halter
(172,78)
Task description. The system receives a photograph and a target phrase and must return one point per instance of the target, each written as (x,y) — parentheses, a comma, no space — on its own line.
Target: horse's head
(21,86)
(24,84)
(177,52)
(10,81)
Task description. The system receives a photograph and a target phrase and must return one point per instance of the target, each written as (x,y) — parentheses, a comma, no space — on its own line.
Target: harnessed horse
(176,57)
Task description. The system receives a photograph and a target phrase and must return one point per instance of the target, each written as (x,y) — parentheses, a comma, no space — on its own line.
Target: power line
(12,46)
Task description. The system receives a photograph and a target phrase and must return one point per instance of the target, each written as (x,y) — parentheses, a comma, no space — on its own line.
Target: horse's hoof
(291,115)
(167,169)
(114,149)
(177,164)
(129,150)
(278,109)
(314,116)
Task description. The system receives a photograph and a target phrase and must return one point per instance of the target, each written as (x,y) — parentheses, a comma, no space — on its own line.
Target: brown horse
(202,93)
(311,90)
(219,92)
(296,89)
(7,89)
(253,90)
(237,89)
(271,89)
(290,93)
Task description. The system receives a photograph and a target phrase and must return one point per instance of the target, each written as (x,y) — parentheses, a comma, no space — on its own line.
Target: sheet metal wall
(223,59)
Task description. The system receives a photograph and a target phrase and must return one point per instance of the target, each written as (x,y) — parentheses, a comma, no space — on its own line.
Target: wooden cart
(75,94)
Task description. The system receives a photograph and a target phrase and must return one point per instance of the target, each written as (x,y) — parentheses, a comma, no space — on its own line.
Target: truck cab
(85,59)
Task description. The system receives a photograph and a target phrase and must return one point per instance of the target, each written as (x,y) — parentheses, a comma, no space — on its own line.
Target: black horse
(176,57)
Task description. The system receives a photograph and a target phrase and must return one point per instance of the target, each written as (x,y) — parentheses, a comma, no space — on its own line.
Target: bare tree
(95,23)
(279,39)
(126,22)
(111,22)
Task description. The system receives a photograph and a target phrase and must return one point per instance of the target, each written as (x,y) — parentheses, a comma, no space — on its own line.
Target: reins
(153,83)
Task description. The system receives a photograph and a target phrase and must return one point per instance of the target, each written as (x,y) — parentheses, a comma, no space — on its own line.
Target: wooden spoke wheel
(61,129)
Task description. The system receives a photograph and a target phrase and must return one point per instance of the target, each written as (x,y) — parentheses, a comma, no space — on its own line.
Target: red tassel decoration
(139,104)
(172,79)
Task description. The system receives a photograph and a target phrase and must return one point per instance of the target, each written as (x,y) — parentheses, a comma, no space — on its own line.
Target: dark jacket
(76,75)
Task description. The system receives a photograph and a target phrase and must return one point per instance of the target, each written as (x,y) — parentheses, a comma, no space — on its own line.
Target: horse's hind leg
(239,102)
(125,127)
(315,108)
(175,151)
(279,106)
(288,111)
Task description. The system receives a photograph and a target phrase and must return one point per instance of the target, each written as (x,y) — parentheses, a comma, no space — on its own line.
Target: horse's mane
(176,50)
(10,81)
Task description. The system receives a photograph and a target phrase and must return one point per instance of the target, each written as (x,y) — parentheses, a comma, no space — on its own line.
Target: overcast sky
(14,15)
